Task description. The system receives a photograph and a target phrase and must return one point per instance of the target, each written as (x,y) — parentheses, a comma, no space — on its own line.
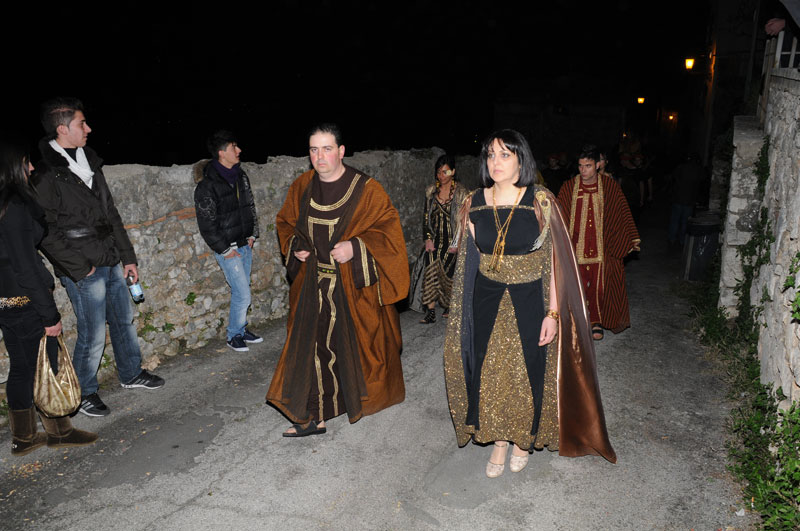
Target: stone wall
(742,207)
(186,298)
(779,339)
(779,342)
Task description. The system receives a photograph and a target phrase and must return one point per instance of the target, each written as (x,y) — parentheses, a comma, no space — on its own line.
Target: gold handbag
(59,394)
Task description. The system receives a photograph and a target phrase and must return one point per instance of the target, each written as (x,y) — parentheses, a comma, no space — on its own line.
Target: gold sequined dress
(507,373)
(500,384)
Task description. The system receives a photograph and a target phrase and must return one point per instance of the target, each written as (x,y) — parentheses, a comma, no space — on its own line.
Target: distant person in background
(774,26)
(684,185)
(27,308)
(632,161)
(602,165)
(785,18)
(629,147)
(603,233)
(778,23)
(432,279)
(226,217)
(554,174)
(539,179)
(90,251)
(644,178)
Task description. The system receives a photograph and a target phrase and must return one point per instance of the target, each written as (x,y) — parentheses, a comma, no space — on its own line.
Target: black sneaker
(145,380)
(250,337)
(237,343)
(92,406)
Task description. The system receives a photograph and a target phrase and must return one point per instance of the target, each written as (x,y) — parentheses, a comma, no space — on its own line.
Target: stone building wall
(742,207)
(186,298)
(779,342)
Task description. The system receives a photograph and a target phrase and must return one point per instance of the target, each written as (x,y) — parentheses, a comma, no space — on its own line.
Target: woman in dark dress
(516,290)
(27,308)
(432,278)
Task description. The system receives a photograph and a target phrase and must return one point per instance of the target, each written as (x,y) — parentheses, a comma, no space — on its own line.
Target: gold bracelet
(552,314)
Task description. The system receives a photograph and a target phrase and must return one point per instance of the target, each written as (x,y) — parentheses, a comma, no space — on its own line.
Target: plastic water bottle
(135,288)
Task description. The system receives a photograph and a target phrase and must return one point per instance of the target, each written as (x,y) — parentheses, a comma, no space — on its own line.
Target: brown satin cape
(620,238)
(581,421)
(368,347)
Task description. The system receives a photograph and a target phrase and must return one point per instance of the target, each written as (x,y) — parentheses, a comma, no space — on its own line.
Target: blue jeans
(96,299)
(678,222)
(237,274)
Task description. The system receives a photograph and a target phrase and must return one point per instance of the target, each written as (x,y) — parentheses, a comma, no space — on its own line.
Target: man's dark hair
(515,143)
(218,141)
(58,111)
(589,151)
(327,127)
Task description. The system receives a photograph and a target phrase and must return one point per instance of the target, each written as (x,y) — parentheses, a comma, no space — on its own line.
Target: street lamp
(689,63)
(639,100)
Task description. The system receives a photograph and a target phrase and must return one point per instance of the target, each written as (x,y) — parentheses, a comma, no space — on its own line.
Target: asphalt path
(205,452)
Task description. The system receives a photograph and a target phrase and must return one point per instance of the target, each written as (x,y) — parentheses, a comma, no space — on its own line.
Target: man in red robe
(603,233)
(347,264)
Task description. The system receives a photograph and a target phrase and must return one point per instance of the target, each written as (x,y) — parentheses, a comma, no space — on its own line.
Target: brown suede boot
(61,434)
(25,438)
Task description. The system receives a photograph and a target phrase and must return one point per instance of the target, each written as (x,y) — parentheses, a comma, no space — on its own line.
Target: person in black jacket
(86,242)
(27,308)
(226,217)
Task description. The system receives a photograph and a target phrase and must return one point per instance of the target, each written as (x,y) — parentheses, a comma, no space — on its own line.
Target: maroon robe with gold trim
(615,236)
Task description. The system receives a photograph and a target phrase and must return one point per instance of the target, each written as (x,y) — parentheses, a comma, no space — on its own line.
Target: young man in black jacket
(226,217)
(89,249)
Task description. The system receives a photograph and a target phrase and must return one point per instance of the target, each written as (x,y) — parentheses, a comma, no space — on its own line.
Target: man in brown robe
(603,233)
(346,259)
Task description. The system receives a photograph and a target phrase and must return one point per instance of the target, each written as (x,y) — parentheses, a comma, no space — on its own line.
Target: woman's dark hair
(444,160)
(13,173)
(515,143)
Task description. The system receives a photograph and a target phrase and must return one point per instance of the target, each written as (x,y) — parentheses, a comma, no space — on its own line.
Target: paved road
(206,453)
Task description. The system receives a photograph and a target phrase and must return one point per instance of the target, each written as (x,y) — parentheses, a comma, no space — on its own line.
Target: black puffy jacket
(70,206)
(226,214)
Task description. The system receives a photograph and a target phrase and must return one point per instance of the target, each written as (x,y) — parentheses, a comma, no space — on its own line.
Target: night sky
(395,75)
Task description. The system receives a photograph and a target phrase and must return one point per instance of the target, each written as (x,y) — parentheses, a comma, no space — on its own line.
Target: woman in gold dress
(519,359)
(432,278)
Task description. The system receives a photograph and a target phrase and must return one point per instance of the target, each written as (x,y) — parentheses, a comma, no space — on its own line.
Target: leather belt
(101,232)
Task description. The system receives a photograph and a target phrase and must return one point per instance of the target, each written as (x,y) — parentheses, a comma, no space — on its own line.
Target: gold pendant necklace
(502,231)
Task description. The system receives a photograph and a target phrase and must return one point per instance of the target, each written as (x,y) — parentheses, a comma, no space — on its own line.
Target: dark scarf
(300,354)
(229,174)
